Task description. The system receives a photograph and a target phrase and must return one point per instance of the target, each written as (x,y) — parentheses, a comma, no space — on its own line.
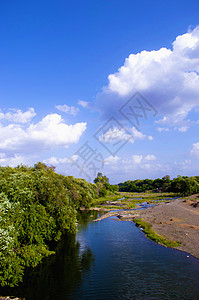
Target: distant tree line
(183,185)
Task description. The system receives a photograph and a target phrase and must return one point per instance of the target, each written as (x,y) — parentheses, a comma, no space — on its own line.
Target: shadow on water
(58,274)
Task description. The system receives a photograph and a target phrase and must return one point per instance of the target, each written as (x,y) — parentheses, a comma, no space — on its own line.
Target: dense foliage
(37,206)
(182,184)
(103,185)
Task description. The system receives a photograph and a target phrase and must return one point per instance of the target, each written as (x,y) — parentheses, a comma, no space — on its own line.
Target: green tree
(37,207)
(101,178)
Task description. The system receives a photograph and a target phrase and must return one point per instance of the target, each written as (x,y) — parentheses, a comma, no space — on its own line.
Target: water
(112,259)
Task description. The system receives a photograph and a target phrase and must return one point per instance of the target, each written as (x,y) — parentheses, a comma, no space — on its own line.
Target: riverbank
(177,221)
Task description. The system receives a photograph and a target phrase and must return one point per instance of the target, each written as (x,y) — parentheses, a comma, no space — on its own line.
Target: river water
(112,259)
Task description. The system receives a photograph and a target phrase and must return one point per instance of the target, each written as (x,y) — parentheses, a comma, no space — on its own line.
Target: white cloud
(12,161)
(115,134)
(184,165)
(17,116)
(161,129)
(140,136)
(134,167)
(72,110)
(182,129)
(50,132)
(176,121)
(55,161)
(82,103)
(137,159)
(150,157)
(195,149)
(167,78)
(111,160)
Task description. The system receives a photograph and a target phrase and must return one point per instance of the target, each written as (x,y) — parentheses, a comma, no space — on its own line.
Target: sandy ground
(177,220)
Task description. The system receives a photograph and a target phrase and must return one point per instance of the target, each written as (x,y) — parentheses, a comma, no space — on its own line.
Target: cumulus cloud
(167,78)
(17,116)
(55,161)
(150,157)
(13,160)
(137,159)
(111,160)
(114,135)
(49,133)
(134,166)
(177,123)
(72,110)
(140,136)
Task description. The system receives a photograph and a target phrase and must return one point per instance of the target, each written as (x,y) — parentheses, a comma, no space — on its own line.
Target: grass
(151,234)
(102,200)
(150,195)
(111,207)
(131,199)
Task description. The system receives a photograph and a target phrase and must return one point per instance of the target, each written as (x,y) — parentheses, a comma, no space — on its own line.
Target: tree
(37,207)
(101,178)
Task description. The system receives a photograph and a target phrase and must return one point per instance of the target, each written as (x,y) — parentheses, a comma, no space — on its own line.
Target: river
(111,259)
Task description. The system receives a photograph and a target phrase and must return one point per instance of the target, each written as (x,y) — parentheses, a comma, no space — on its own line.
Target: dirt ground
(177,220)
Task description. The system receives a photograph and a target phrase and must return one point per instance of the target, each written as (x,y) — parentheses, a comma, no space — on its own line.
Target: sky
(100,86)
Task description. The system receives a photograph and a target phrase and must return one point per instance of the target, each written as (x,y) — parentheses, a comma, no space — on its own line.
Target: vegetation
(151,234)
(183,185)
(37,207)
(125,200)
(103,185)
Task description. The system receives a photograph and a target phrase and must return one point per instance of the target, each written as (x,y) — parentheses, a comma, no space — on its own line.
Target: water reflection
(111,260)
(58,275)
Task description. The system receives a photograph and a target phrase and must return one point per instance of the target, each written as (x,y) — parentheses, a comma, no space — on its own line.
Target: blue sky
(67,68)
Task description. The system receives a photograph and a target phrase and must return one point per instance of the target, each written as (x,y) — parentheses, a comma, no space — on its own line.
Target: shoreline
(177,221)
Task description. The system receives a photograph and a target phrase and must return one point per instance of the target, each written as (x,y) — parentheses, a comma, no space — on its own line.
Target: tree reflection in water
(58,275)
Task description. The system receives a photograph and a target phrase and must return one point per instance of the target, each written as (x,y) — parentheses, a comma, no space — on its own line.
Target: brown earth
(178,221)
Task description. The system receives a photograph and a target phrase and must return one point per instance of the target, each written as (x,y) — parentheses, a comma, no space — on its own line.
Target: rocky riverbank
(177,220)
